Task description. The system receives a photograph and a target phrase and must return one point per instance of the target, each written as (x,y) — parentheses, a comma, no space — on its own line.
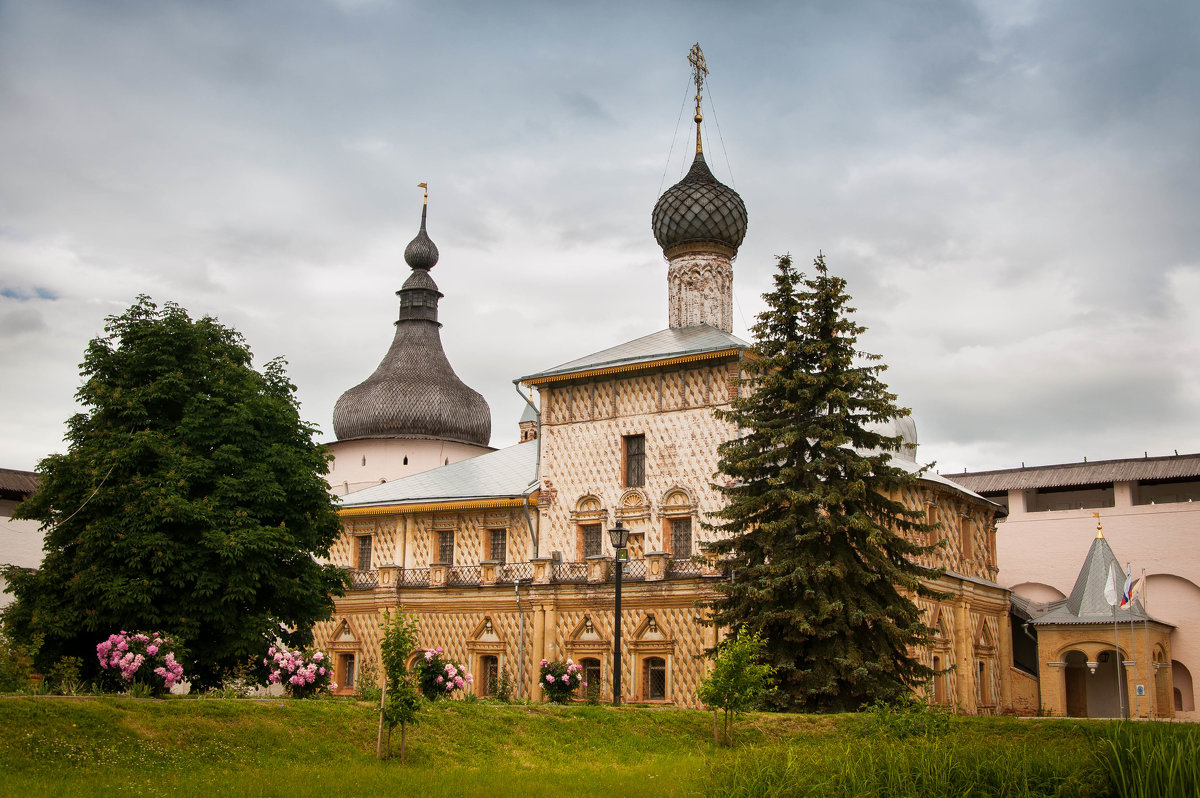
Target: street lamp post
(619,537)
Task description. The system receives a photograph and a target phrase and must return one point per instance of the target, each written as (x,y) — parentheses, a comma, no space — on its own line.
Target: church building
(504,556)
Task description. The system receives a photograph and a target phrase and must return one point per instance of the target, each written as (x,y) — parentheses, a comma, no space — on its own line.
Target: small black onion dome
(421,252)
(699,210)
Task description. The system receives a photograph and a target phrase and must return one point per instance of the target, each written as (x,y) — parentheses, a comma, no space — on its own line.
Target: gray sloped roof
(1067,474)
(670,343)
(912,467)
(18,485)
(504,473)
(1088,603)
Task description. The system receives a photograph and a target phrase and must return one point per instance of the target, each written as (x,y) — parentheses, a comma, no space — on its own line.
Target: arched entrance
(1185,699)
(1108,693)
(1077,675)
(1092,685)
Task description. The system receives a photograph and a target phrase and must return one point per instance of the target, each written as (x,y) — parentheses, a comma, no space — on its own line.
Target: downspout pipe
(537,469)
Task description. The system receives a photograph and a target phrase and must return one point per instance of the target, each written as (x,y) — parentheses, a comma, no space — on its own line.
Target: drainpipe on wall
(537,468)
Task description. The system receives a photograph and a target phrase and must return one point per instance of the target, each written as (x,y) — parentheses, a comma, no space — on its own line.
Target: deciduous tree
(190,501)
(820,543)
(738,680)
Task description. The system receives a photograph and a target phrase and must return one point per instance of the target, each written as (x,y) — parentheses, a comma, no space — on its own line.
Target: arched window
(654,673)
(939,682)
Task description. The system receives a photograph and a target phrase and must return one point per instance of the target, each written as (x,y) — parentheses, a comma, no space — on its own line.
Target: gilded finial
(1099,528)
(426,187)
(699,72)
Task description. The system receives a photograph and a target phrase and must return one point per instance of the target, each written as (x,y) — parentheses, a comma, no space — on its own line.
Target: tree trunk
(379,737)
(403,740)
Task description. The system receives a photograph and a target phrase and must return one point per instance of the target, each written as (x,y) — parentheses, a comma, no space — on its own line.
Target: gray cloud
(1010,188)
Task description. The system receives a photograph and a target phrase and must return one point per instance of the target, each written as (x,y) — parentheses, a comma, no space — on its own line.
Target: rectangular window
(591,540)
(681,538)
(965,537)
(446,547)
(635,461)
(656,679)
(347,671)
(591,676)
(364,552)
(499,544)
(491,674)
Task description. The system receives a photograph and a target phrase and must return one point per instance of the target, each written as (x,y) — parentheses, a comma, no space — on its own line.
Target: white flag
(1111,594)
(1137,589)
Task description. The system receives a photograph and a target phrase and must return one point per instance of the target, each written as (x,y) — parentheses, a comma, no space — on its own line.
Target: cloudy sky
(1012,190)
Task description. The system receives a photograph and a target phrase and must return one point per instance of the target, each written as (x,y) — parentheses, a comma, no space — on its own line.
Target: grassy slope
(297,748)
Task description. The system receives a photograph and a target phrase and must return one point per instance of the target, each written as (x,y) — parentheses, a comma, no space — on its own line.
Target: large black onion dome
(699,210)
(421,252)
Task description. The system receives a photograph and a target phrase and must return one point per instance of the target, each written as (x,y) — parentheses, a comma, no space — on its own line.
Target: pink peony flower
(152,650)
(438,680)
(550,677)
(428,656)
(322,671)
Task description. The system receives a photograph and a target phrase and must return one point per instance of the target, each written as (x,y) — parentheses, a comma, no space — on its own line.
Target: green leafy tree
(190,501)
(739,679)
(814,528)
(402,698)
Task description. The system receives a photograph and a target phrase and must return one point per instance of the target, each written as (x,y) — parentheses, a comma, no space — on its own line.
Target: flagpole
(1137,704)
(1117,656)
(1151,669)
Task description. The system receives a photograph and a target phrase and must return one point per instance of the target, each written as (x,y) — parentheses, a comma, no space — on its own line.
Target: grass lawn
(65,746)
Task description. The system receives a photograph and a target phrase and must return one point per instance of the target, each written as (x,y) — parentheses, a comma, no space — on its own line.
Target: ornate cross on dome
(699,72)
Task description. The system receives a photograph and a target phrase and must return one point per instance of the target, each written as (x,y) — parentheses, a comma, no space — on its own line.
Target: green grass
(327,747)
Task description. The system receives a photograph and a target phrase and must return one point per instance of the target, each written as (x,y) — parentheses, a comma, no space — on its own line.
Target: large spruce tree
(190,501)
(814,527)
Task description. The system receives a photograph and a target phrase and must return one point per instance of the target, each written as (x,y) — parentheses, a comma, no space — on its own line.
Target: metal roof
(504,473)
(1068,474)
(1088,603)
(666,344)
(17,485)
(699,208)
(912,467)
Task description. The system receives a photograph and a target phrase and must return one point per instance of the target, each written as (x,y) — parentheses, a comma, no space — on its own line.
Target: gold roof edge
(447,505)
(639,366)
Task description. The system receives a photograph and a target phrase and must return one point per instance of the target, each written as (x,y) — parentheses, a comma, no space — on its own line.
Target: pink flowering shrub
(141,657)
(301,673)
(438,677)
(559,679)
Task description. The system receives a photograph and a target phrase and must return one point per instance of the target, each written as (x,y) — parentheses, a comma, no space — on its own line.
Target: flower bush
(559,679)
(302,674)
(141,658)
(438,677)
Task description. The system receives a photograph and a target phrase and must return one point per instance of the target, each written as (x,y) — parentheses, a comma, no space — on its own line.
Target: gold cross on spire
(699,73)
(426,187)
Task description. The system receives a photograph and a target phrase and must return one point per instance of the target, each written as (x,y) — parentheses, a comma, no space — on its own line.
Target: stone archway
(1108,689)
(1076,675)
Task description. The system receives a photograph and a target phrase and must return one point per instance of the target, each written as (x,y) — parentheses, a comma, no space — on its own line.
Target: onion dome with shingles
(698,213)
(414,393)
